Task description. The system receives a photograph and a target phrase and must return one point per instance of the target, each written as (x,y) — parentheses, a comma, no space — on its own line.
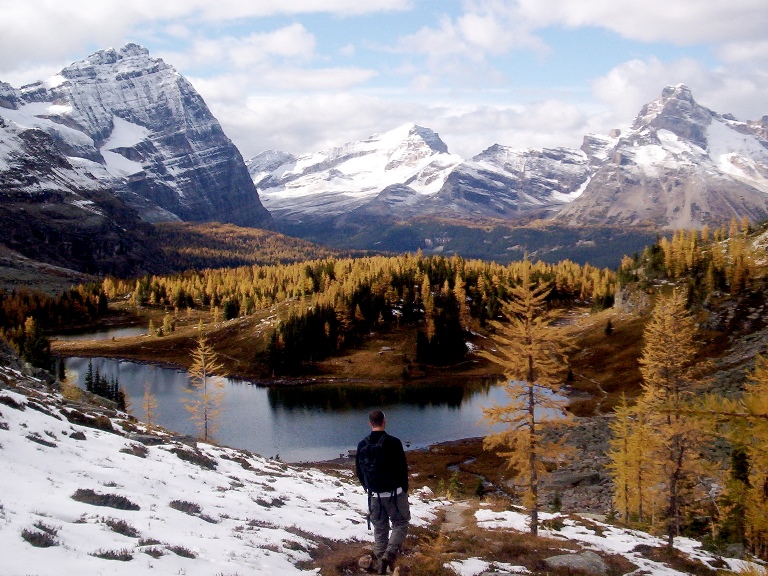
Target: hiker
(383,472)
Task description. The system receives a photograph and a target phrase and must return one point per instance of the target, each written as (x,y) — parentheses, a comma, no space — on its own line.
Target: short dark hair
(376,418)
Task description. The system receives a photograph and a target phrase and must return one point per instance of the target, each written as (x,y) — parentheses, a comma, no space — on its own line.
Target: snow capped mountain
(335,181)
(408,171)
(679,165)
(123,121)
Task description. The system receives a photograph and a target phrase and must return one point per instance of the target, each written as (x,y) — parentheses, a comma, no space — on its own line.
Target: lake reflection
(308,422)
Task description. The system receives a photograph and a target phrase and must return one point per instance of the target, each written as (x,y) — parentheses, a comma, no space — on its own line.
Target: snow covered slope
(128,123)
(85,489)
(74,479)
(680,165)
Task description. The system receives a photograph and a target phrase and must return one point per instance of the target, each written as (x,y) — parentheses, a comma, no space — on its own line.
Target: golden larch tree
(206,393)
(671,380)
(149,406)
(632,466)
(756,408)
(533,356)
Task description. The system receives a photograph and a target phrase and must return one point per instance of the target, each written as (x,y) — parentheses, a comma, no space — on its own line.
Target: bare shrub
(136,450)
(154,552)
(195,457)
(123,555)
(182,551)
(186,507)
(121,527)
(36,438)
(88,496)
(8,401)
(98,422)
(43,536)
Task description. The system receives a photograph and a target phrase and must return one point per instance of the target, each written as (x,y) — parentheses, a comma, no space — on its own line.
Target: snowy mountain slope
(680,165)
(168,507)
(125,122)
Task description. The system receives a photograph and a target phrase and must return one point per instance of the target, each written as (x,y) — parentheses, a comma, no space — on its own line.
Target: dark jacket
(391,471)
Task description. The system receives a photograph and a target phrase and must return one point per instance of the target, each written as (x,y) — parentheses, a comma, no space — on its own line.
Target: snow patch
(741,156)
(120,166)
(54,81)
(125,134)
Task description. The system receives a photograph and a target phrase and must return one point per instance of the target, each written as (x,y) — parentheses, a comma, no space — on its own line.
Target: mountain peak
(678,112)
(679,92)
(411,131)
(129,56)
(431,138)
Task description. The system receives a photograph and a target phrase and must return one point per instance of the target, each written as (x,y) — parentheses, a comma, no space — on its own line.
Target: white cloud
(307,123)
(678,22)
(487,28)
(292,43)
(38,31)
(745,53)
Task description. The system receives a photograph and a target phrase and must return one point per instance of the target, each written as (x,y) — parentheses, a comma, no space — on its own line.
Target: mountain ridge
(679,165)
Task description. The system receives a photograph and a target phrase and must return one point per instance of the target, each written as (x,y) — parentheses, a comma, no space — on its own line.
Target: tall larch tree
(204,398)
(632,464)
(149,406)
(671,380)
(756,408)
(533,356)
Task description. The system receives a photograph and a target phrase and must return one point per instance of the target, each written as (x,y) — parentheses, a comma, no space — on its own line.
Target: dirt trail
(456,517)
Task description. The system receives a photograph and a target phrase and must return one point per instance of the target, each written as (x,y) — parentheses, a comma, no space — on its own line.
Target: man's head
(376,420)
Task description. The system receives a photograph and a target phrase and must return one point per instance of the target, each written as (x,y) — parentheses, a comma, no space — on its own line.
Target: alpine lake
(307,422)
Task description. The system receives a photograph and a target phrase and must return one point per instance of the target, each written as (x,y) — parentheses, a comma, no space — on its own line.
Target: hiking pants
(394,510)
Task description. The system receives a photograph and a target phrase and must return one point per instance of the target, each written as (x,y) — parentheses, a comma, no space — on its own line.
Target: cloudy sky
(302,75)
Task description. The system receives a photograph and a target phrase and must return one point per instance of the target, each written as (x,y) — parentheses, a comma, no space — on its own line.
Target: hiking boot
(367,563)
(382,568)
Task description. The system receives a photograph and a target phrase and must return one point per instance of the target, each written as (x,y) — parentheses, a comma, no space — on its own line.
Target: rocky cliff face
(111,143)
(123,121)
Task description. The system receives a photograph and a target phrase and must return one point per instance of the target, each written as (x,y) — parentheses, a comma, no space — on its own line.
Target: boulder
(588,562)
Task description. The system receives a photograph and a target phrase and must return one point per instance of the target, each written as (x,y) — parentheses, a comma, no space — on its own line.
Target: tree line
(26,316)
(336,300)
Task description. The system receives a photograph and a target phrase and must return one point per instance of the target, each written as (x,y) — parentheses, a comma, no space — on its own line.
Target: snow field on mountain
(735,154)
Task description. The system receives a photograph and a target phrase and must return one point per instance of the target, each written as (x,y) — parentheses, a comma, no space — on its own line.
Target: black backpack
(371,457)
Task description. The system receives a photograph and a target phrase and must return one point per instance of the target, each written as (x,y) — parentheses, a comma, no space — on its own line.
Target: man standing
(383,472)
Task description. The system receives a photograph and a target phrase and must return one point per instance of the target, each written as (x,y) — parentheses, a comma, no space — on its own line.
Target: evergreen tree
(632,467)
(756,447)
(89,377)
(532,355)
(206,393)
